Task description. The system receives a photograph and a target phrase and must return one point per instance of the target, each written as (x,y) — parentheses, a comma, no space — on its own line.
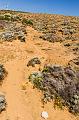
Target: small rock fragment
(44,115)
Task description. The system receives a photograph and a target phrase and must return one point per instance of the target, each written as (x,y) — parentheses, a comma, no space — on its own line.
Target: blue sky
(66,7)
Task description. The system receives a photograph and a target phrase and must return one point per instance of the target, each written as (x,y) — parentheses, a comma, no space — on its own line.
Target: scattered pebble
(44,115)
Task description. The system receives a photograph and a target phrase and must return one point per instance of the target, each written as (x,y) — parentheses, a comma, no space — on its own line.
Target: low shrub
(3,72)
(27,22)
(2,103)
(33,62)
(60,84)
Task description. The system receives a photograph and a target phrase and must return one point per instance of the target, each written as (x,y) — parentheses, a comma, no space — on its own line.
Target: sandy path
(16,108)
(26,104)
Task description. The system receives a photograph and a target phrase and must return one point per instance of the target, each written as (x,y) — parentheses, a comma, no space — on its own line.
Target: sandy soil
(24,102)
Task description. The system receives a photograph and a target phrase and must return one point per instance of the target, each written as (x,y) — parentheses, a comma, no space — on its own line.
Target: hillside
(40,72)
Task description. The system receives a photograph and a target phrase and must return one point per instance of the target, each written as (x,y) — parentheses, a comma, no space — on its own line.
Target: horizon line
(37,12)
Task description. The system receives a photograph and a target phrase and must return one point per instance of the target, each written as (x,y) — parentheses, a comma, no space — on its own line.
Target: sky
(65,7)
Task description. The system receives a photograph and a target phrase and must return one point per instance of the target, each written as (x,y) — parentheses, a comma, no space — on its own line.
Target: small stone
(44,115)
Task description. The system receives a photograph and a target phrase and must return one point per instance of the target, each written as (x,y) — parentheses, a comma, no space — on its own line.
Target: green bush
(7,17)
(36,79)
(15,18)
(27,22)
(2,17)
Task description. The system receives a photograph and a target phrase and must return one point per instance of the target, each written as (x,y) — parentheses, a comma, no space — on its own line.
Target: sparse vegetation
(2,103)
(9,17)
(12,32)
(58,84)
(34,61)
(36,79)
(27,22)
(1,17)
(2,72)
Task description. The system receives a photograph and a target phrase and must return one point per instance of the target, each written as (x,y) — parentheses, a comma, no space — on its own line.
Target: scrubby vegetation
(58,84)
(54,28)
(10,31)
(2,103)
(27,22)
(3,72)
(34,61)
(9,17)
